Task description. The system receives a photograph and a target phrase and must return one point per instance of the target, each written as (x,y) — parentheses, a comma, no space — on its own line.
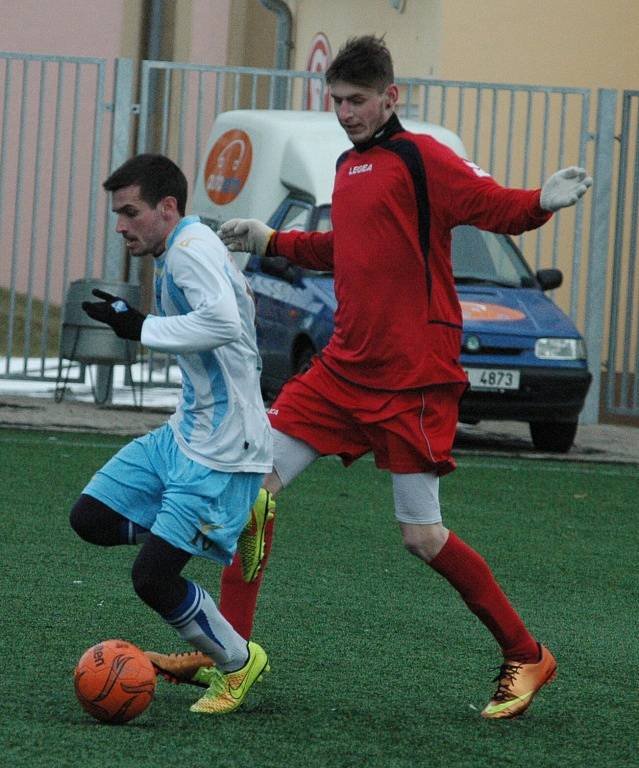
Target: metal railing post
(120,150)
(113,263)
(599,246)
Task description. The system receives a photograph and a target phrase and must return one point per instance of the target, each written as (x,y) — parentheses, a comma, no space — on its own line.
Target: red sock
(471,576)
(238,599)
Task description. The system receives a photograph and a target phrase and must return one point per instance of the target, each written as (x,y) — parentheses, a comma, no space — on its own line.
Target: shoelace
(217,684)
(505,678)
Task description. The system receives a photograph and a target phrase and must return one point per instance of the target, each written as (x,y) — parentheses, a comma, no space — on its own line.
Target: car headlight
(560,349)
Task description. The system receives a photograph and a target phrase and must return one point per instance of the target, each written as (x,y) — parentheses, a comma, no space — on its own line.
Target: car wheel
(553,436)
(303,358)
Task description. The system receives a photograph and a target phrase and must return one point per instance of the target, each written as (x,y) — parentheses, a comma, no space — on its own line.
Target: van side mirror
(549,278)
(278,266)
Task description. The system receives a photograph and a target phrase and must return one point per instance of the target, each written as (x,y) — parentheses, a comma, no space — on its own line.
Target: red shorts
(409,432)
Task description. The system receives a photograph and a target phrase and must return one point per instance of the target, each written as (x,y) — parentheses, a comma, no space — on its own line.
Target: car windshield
(486,258)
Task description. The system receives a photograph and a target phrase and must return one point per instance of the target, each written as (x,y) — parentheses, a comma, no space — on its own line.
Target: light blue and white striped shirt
(206,317)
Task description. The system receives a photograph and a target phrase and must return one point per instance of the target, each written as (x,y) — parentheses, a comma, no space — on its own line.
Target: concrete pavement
(36,408)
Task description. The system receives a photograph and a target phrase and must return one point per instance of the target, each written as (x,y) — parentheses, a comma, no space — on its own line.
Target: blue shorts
(195,508)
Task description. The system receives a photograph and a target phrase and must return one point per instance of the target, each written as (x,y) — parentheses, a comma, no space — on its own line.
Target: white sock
(199,622)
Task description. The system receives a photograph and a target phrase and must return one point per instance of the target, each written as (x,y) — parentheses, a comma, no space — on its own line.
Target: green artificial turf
(375,660)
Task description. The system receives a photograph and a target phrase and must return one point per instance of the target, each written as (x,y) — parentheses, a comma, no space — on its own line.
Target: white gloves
(250,235)
(564,188)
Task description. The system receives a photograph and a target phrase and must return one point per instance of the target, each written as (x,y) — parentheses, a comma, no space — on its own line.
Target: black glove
(125,320)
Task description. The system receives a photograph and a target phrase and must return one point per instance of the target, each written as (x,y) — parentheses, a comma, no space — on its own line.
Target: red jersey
(398,321)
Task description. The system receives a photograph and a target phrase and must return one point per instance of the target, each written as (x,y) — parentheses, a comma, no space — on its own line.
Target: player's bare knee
(424,541)
(418,548)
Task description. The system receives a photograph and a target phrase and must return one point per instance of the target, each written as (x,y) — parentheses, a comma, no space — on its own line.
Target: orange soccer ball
(114,681)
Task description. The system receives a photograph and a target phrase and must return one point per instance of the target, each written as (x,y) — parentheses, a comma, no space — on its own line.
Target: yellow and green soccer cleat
(251,543)
(227,691)
(191,667)
(518,684)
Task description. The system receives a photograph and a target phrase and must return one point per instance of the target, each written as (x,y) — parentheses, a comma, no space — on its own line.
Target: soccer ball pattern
(114,681)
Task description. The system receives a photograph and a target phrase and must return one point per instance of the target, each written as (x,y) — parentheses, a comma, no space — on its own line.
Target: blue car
(524,358)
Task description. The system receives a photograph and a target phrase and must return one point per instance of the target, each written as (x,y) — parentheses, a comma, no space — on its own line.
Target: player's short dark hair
(364,61)
(156,175)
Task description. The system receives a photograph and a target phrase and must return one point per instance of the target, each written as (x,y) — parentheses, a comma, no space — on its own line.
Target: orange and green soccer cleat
(251,541)
(518,684)
(227,691)
(191,667)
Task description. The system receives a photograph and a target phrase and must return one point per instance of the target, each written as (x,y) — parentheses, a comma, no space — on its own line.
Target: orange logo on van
(475,310)
(228,166)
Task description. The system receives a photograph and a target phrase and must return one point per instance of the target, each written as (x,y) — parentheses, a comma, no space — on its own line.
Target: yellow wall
(590,43)
(412,35)
(251,35)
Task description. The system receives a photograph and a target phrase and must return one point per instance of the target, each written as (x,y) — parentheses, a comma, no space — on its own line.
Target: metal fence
(53,149)
(178,102)
(622,368)
(519,133)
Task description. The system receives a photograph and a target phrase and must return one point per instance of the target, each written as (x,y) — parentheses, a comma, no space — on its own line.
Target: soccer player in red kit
(389,381)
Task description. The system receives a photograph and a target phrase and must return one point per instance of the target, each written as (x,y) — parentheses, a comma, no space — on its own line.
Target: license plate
(492,378)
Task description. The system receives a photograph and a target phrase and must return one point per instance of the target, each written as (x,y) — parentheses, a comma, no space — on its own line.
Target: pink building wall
(209,32)
(62,27)
(34,247)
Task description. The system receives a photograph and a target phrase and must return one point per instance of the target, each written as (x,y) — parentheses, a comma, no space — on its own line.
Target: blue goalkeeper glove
(125,320)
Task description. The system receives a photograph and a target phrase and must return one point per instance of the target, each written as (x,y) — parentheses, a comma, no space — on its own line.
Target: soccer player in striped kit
(186,488)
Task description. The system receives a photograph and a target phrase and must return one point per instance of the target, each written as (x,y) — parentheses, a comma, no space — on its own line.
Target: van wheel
(553,436)
(303,358)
